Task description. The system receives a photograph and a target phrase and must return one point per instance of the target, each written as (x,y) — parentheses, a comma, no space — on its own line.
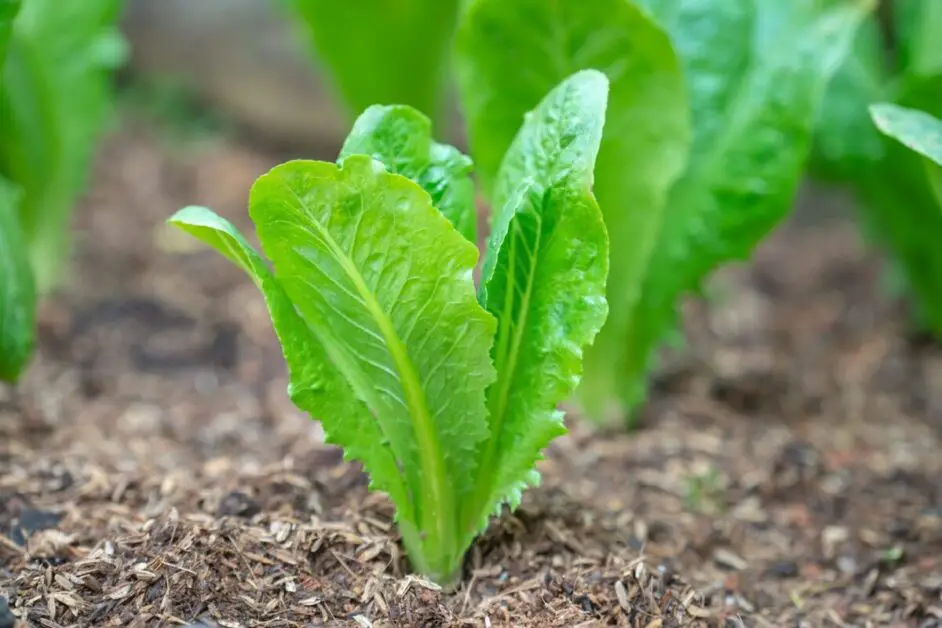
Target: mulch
(787,471)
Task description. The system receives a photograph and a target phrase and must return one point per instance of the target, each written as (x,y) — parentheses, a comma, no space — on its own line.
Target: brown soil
(153,472)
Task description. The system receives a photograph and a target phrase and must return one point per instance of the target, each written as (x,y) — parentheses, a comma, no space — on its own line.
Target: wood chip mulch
(788,471)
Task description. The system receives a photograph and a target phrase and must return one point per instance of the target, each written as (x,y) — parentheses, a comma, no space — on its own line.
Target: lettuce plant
(703,148)
(55,64)
(447,397)
(898,206)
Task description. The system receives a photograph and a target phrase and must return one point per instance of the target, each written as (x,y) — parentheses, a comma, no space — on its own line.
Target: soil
(787,471)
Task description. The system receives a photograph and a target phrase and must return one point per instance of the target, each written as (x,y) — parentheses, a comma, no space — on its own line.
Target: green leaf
(385,282)
(544,279)
(509,54)
(401,138)
(316,386)
(8,11)
(17,291)
(901,199)
(757,73)
(845,142)
(54,100)
(912,128)
(383,51)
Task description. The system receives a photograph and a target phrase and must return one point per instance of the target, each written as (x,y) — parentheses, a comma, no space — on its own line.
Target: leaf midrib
(507,374)
(432,462)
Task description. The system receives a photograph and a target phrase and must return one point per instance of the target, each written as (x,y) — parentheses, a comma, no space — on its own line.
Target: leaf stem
(506,362)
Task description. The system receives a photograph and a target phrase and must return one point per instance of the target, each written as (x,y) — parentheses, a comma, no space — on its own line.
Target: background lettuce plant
(702,152)
(446,396)
(899,64)
(54,96)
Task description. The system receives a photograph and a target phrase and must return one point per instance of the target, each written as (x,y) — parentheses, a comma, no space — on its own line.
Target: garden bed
(153,471)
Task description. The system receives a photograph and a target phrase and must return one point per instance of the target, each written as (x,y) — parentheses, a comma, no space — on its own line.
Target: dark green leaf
(544,279)
(401,138)
(385,283)
(17,291)
(510,54)
(383,51)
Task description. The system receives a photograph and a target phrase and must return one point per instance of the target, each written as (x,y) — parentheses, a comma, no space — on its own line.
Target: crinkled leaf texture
(383,51)
(17,290)
(53,102)
(544,279)
(509,54)
(382,283)
(401,138)
(756,73)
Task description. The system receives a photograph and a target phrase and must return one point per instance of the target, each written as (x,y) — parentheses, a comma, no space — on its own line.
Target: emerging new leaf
(401,138)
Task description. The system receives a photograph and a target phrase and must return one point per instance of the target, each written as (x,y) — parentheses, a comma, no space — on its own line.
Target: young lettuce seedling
(682,194)
(446,397)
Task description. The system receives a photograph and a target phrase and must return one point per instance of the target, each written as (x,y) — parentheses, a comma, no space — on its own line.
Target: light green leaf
(8,10)
(401,138)
(383,51)
(912,128)
(385,282)
(544,279)
(54,100)
(17,291)
(316,386)
(509,54)
(757,73)
(845,142)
